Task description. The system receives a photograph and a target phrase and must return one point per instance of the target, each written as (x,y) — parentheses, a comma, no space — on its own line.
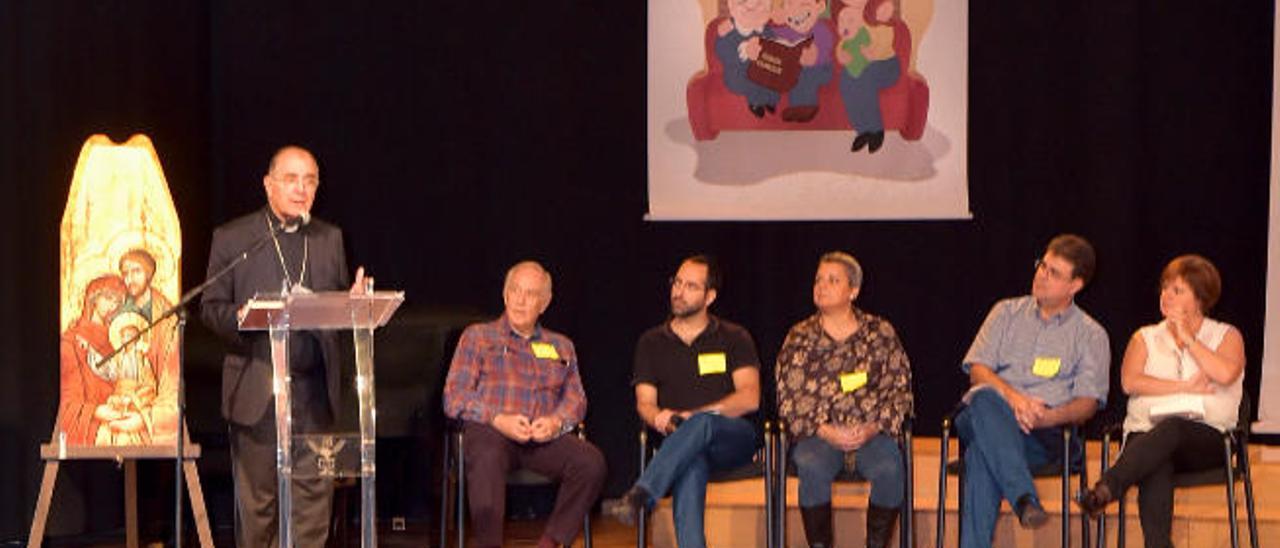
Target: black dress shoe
(771,108)
(757,110)
(859,142)
(1030,514)
(1095,500)
(633,502)
(875,141)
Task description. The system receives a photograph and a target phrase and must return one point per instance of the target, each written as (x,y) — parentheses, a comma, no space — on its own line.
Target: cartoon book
(778,66)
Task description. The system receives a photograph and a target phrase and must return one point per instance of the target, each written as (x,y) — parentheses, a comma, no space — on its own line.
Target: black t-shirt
(690,376)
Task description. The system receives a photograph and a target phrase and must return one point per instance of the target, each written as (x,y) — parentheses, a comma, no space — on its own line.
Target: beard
(681,310)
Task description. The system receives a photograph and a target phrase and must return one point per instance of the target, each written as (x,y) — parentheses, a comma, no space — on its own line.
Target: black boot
(817,525)
(874,141)
(880,521)
(860,142)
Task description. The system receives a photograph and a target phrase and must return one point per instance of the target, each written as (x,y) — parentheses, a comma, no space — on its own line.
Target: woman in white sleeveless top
(1184,377)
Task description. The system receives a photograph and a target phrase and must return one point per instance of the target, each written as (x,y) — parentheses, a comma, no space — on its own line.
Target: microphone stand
(179,309)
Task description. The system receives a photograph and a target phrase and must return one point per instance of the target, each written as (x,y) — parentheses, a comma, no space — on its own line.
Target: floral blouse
(865,378)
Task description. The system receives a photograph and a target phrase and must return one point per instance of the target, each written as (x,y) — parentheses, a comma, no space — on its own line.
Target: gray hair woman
(844,386)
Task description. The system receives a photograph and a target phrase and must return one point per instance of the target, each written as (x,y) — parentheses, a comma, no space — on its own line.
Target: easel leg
(42,504)
(131,503)
(198,511)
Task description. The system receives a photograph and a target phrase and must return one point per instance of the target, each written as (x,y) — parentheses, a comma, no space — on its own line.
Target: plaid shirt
(495,371)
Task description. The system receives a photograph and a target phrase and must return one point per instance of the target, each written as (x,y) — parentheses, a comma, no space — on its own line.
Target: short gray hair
(852,269)
(511,272)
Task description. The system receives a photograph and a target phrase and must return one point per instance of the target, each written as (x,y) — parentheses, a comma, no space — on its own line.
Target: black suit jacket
(246,369)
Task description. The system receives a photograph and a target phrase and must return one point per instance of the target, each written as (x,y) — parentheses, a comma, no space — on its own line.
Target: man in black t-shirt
(697,380)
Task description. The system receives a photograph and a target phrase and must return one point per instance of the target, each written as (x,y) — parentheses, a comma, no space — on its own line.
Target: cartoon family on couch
(795,64)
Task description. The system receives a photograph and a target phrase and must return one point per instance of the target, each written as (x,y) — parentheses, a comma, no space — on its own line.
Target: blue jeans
(998,459)
(861,95)
(805,94)
(879,460)
(702,444)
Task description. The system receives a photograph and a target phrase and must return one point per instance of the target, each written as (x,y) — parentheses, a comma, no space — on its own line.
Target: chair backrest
(1244,420)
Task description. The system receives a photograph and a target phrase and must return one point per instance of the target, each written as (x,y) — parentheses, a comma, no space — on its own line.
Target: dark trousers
(577,465)
(253,469)
(1150,460)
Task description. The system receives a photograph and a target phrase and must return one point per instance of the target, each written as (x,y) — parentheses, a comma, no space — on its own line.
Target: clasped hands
(848,437)
(520,429)
(1180,327)
(1030,411)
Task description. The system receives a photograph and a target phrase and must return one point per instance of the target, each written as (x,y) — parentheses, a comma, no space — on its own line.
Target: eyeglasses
(310,182)
(677,283)
(1051,271)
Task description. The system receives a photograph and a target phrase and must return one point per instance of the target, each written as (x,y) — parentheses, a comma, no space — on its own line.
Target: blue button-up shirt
(1014,336)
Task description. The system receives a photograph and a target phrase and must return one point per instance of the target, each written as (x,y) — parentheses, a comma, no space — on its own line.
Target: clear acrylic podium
(335,455)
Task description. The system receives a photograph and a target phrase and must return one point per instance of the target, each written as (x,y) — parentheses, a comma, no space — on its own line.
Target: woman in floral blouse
(844,386)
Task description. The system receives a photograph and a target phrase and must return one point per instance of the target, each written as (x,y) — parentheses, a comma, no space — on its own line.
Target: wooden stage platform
(735,515)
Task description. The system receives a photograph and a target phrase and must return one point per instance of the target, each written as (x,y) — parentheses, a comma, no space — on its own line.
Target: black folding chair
(1235,449)
(453,478)
(782,467)
(1059,468)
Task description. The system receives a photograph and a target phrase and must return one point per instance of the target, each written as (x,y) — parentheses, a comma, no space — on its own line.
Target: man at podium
(300,254)
(515,386)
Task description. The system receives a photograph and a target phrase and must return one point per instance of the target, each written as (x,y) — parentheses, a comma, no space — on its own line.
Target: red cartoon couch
(713,108)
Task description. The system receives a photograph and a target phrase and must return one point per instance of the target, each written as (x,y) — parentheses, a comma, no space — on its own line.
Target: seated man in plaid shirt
(515,386)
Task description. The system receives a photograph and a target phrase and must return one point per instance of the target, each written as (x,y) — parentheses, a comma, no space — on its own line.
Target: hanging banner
(1269,394)
(807,109)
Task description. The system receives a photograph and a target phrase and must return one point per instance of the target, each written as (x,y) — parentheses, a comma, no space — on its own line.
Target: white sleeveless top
(1166,361)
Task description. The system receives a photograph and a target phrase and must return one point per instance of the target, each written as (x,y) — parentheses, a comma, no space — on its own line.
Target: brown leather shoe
(799,114)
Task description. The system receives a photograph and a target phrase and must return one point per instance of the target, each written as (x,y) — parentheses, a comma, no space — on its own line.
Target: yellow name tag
(852,381)
(545,351)
(712,363)
(1046,367)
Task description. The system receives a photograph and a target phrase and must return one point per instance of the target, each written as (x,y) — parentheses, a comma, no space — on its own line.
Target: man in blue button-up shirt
(1039,362)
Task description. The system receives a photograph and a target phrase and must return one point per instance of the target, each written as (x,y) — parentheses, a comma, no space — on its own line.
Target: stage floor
(735,515)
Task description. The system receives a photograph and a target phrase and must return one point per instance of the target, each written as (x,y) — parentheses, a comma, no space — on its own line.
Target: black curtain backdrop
(457,138)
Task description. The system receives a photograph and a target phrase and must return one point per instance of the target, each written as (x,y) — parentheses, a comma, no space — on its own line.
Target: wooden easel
(53,456)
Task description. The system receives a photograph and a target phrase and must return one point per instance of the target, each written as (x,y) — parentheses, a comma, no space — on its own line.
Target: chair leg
(1243,459)
(907,529)
(780,490)
(1066,486)
(1084,484)
(642,521)
(586,530)
(445,485)
(960,495)
(941,532)
(1105,465)
(461,497)
(1231,490)
(768,477)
